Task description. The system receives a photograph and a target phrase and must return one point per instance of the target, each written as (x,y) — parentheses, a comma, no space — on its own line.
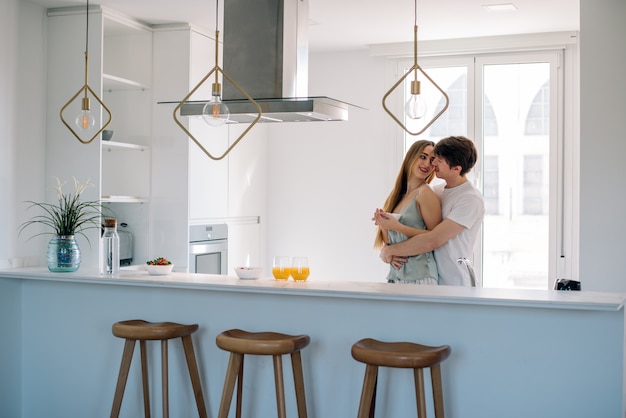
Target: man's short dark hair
(457,150)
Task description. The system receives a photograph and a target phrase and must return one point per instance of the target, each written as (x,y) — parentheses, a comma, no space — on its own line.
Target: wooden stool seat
(139,330)
(239,343)
(398,354)
(406,355)
(261,343)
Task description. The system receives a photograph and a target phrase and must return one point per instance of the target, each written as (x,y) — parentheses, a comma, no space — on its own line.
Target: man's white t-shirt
(464,205)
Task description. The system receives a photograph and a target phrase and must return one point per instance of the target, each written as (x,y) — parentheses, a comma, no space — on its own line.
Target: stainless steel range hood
(266,53)
(305,109)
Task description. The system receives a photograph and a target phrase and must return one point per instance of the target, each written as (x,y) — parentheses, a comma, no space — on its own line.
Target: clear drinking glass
(281,268)
(300,268)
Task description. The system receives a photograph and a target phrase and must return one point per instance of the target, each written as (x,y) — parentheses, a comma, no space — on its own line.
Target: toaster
(126,245)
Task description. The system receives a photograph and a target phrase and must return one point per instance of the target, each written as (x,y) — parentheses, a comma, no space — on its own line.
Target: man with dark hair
(463,211)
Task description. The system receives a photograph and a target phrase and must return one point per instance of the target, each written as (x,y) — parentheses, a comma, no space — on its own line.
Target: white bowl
(159,270)
(248,273)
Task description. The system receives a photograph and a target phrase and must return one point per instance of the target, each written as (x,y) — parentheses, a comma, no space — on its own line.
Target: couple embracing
(427,235)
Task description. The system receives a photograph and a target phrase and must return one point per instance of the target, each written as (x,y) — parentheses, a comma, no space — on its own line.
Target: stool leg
(234,362)
(127,357)
(239,388)
(418,375)
(435,374)
(280,386)
(366,406)
(144,378)
(192,365)
(373,404)
(164,380)
(298,379)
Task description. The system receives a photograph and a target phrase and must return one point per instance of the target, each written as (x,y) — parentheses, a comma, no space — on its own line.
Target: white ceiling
(352,24)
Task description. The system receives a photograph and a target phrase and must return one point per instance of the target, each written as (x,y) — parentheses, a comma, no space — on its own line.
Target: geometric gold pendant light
(215,112)
(415,109)
(84,120)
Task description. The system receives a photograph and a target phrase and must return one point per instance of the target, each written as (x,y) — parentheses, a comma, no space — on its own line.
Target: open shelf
(115,83)
(124,199)
(124,145)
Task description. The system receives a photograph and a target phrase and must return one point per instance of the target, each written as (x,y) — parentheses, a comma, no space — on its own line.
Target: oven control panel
(199,233)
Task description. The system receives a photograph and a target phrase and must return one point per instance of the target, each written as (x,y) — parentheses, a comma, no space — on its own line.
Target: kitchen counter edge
(549,299)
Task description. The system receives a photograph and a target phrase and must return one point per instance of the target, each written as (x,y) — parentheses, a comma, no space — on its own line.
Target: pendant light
(415,107)
(84,121)
(215,112)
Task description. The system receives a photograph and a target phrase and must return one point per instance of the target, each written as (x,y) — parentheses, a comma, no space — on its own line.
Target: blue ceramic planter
(63,254)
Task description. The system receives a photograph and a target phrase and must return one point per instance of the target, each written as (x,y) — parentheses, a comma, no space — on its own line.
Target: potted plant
(69,217)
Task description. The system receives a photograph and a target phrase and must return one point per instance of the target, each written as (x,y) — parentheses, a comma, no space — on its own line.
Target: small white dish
(159,270)
(248,273)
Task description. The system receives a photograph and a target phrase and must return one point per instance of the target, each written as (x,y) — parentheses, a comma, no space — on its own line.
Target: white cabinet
(247,197)
(120,72)
(247,174)
(208,179)
(234,186)
(244,244)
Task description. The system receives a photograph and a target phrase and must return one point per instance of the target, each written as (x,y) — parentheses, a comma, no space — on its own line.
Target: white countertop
(551,299)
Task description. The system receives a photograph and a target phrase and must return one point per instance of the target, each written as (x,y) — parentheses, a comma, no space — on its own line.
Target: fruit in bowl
(159,266)
(248,272)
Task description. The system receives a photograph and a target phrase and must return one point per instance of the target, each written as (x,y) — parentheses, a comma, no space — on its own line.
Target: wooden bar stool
(142,331)
(406,355)
(239,343)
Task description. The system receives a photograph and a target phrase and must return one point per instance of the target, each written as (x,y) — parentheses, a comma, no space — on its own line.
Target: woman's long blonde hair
(398,191)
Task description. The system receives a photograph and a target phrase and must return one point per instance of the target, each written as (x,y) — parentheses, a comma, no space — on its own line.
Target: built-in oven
(208,249)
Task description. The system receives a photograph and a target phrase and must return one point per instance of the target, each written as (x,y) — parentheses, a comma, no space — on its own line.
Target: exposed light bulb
(415,107)
(215,112)
(85,120)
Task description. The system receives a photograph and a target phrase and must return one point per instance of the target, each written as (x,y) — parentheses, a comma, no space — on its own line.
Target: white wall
(326,178)
(22,117)
(603,145)
(22,128)
(8,30)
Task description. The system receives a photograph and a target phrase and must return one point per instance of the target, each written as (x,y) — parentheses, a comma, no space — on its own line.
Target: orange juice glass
(281,269)
(300,268)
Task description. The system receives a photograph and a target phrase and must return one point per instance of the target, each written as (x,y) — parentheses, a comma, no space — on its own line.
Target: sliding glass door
(509,105)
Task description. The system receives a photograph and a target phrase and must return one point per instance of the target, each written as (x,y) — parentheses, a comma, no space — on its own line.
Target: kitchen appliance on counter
(126,245)
(208,249)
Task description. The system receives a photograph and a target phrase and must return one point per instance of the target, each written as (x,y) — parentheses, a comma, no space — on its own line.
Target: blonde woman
(411,208)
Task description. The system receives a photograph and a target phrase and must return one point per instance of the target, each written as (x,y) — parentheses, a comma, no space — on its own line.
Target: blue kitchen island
(515,353)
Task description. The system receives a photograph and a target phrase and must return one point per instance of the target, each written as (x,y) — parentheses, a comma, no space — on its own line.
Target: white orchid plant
(70,216)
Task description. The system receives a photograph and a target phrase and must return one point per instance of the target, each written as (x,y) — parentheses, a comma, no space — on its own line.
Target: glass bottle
(110,248)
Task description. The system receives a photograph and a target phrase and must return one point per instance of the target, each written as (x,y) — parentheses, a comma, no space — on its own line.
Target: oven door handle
(208,248)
